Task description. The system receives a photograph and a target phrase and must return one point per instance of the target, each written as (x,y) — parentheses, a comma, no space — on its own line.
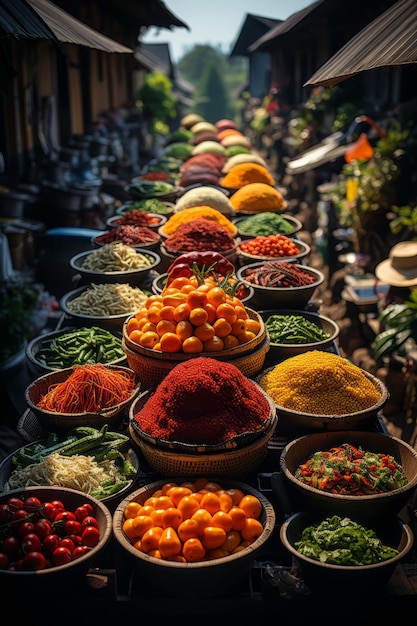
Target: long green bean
(296,329)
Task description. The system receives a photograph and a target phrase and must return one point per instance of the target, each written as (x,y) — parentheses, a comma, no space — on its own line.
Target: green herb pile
(341,541)
(296,329)
(265,223)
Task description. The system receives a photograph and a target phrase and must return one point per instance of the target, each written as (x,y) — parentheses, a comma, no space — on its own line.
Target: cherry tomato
(58,505)
(32,504)
(76,539)
(81,512)
(61,556)
(50,543)
(66,542)
(11,546)
(72,527)
(25,528)
(90,536)
(90,521)
(15,503)
(49,511)
(65,515)
(89,508)
(79,551)
(20,514)
(34,561)
(4,561)
(42,528)
(31,543)
(5,513)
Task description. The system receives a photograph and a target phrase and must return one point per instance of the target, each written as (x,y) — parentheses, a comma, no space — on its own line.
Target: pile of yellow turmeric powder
(193,213)
(320,383)
(246,173)
(256,197)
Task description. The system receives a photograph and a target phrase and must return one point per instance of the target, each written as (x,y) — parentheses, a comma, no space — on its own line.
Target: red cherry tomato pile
(37,535)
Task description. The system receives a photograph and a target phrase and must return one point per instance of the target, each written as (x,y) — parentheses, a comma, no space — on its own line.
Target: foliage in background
(17,303)
(157,101)
(212,99)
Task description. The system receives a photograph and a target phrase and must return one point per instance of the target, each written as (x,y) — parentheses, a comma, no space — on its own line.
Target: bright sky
(216,22)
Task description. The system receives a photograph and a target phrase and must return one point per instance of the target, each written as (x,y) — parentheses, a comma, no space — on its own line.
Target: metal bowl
(131,276)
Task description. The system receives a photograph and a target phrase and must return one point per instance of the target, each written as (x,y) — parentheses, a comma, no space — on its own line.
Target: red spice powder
(203,401)
(200,234)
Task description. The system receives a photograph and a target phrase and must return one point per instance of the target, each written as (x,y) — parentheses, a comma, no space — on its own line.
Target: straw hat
(400,269)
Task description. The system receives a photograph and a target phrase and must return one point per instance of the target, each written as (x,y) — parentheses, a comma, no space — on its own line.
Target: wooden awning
(389,40)
(67,29)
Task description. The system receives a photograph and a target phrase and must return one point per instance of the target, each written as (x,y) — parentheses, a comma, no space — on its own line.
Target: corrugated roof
(390,39)
(18,19)
(150,61)
(68,29)
(284,27)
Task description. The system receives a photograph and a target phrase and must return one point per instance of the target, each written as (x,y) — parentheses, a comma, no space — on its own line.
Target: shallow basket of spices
(107,391)
(392,539)
(374,494)
(226,572)
(153,365)
(322,391)
(203,419)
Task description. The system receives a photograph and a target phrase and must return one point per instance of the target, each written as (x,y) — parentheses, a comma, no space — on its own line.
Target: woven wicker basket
(235,463)
(112,416)
(152,366)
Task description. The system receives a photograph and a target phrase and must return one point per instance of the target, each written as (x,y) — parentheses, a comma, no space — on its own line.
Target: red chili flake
(137,218)
(129,235)
(199,234)
(203,401)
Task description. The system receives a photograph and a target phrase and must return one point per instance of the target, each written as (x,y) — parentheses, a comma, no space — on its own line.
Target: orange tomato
(169,543)
(211,486)
(140,524)
(204,332)
(233,539)
(176,492)
(179,282)
(128,529)
(253,326)
(203,519)
(132,509)
(251,506)
(222,327)
(235,494)
(200,483)
(188,529)
(192,345)
(174,299)
(227,311)
(149,339)
(135,335)
(226,501)
(214,344)
(184,329)
(241,312)
(213,537)
(211,502)
(252,529)
(148,326)
(238,518)
(188,506)
(171,517)
(165,326)
(211,313)
(182,312)
(198,316)
(196,299)
(167,313)
(216,296)
(238,327)
(170,342)
(223,520)
(150,539)
(193,550)
(132,324)
(152,300)
(230,341)
(156,515)
(246,336)
(153,314)
(163,502)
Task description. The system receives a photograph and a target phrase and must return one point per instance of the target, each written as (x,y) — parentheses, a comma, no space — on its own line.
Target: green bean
(293,329)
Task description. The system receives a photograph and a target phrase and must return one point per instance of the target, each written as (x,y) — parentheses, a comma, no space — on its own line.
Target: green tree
(158,102)
(211,96)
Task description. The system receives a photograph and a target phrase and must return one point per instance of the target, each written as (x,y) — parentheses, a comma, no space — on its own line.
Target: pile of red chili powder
(203,401)
(200,234)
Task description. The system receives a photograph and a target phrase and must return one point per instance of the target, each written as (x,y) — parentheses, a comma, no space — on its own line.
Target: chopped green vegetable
(296,329)
(341,541)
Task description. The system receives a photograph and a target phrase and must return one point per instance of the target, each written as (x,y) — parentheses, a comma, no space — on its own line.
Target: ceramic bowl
(245,234)
(246,258)
(133,277)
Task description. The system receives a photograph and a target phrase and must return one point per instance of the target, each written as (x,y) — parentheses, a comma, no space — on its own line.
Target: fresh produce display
(348,470)
(104,299)
(129,235)
(89,388)
(201,403)
(342,541)
(94,461)
(193,521)
(292,329)
(320,383)
(116,257)
(38,535)
(193,314)
(278,274)
(270,246)
(265,223)
(200,234)
(79,346)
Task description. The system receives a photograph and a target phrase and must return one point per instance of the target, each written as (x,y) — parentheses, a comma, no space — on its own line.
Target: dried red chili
(203,401)
(137,218)
(199,234)
(129,235)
